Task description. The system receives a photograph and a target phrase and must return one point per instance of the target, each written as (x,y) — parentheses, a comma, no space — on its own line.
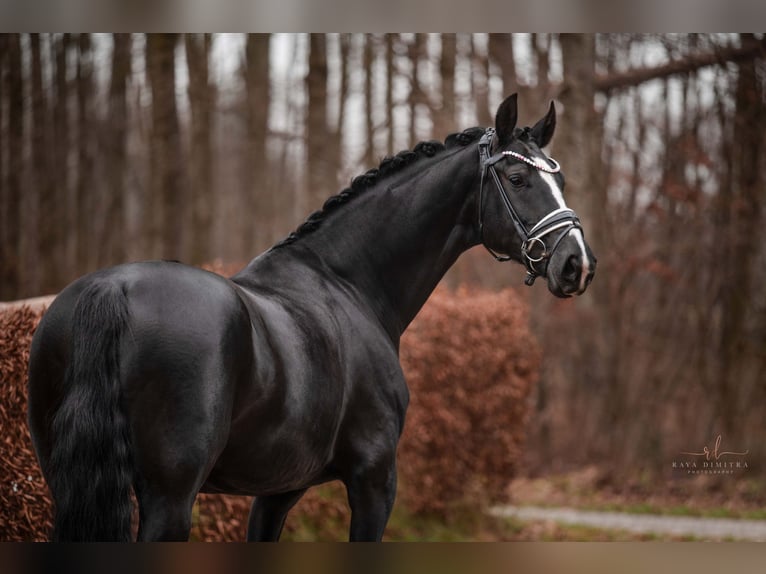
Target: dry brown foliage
(25,506)
(470,363)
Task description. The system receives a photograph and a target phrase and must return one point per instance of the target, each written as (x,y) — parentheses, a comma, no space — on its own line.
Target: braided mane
(387,167)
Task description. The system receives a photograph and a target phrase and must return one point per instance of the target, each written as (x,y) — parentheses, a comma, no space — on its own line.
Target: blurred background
(209,148)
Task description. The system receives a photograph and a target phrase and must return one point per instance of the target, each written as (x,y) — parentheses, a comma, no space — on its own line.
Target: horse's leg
(170,468)
(268,514)
(164,518)
(371,494)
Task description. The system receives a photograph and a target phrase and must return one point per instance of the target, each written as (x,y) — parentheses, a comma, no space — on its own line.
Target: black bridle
(534,249)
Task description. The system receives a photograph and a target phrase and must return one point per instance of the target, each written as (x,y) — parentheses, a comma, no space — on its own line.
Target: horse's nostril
(572,269)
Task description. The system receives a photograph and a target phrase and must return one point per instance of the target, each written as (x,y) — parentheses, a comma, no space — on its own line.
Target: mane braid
(388,166)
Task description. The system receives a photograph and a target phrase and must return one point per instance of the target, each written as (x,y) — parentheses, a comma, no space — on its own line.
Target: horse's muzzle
(571,271)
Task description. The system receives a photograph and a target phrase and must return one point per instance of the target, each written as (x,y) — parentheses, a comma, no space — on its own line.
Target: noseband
(534,249)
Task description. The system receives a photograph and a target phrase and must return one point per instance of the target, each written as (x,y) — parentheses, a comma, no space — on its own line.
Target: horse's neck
(397,240)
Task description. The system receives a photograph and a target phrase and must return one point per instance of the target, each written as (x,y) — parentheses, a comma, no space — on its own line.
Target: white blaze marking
(555,189)
(585,260)
(579,237)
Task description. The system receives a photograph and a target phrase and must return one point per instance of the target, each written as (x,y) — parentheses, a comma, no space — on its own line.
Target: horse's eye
(516,180)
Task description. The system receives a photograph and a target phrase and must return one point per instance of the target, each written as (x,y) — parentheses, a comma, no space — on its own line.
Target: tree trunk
(321,172)
(480,80)
(501,53)
(369,156)
(417,51)
(115,149)
(580,155)
(201,102)
(50,205)
(62,142)
(258,200)
(444,122)
(84,206)
(10,262)
(167,214)
(577,146)
(39,241)
(4,247)
(343,91)
(542,46)
(390,93)
(743,204)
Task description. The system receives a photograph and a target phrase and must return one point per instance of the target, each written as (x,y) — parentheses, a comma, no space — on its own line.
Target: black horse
(167,380)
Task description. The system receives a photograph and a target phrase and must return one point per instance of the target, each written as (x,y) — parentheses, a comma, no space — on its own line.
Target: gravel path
(705,528)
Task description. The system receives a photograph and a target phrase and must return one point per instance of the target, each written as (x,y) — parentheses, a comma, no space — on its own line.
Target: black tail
(90,467)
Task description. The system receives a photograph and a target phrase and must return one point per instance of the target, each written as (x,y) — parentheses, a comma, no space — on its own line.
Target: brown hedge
(25,507)
(470,362)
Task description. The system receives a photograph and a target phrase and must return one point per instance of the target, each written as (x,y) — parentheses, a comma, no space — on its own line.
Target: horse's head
(521,205)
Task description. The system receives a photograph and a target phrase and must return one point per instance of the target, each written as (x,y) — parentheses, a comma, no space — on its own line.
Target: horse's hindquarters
(174,351)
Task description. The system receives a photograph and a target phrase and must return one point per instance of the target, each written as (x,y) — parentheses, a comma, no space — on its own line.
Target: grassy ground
(464,524)
(742,497)
(585,489)
(404,528)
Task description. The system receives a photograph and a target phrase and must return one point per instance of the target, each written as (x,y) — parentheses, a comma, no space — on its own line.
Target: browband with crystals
(538,163)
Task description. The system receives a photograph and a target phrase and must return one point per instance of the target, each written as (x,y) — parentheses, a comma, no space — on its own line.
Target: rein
(534,249)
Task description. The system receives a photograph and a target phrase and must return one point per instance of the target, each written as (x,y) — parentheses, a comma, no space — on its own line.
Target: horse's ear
(505,119)
(542,132)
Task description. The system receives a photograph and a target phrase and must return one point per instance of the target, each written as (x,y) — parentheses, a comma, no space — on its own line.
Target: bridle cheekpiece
(534,249)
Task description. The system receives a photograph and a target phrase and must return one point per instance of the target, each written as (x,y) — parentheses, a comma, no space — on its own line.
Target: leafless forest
(201,147)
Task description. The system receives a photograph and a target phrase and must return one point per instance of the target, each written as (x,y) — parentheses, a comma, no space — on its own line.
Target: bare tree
(390,93)
(721,55)
(367,61)
(741,198)
(501,54)
(418,100)
(84,206)
(166,214)
(585,186)
(257,193)
(39,241)
(344,64)
(445,118)
(10,261)
(480,84)
(202,102)
(321,172)
(61,152)
(113,233)
(3,163)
